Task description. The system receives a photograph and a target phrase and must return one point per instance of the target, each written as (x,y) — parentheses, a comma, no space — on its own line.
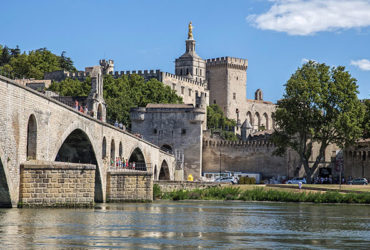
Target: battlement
(253,144)
(185,79)
(147,74)
(229,61)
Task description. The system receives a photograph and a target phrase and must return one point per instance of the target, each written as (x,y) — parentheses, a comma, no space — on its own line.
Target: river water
(189,224)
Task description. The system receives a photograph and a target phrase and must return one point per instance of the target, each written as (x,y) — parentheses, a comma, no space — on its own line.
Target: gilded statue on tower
(190,33)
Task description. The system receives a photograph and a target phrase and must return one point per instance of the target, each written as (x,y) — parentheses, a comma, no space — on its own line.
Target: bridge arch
(77,148)
(164,173)
(5,199)
(166,148)
(31,138)
(137,156)
(99,180)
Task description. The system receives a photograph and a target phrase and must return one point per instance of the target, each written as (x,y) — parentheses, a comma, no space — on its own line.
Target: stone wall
(169,186)
(247,157)
(49,184)
(129,186)
(357,160)
(176,126)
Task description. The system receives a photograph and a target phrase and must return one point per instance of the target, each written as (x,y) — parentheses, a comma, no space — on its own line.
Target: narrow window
(200,72)
(189,92)
(187,71)
(173,86)
(183,131)
(155,131)
(234,96)
(182,90)
(214,101)
(196,71)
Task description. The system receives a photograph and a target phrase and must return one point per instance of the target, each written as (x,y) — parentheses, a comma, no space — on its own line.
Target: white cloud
(363,64)
(307,17)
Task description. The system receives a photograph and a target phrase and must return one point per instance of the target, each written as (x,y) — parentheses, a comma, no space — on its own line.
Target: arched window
(266,121)
(31,138)
(257,120)
(112,151)
(104,148)
(120,149)
(100,112)
(249,118)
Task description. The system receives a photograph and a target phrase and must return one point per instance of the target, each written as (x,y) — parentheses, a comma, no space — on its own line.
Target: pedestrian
(86,109)
(81,109)
(116,124)
(120,125)
(76,105)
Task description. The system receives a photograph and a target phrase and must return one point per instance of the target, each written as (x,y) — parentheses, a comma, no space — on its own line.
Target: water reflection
(189,224)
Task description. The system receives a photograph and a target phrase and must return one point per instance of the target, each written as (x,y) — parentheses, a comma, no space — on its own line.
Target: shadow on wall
(77,148)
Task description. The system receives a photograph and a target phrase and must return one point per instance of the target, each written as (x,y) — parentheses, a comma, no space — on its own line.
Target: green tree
(217,121)
(71,87)
(366,123)
(5,56)
(320,105)
(66,63)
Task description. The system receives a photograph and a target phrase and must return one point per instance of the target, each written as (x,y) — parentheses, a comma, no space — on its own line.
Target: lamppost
(220,163)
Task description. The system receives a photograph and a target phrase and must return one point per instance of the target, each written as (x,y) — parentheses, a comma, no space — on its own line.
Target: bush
(157,193)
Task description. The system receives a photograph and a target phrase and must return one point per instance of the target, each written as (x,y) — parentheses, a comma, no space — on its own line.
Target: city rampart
(246,156)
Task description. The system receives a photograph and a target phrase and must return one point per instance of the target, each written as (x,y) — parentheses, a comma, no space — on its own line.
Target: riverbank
(263,194)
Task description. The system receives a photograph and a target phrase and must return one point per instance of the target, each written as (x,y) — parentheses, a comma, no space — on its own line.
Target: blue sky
(276,36)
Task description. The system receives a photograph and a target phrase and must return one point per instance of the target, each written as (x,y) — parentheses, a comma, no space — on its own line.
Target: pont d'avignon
(128,151)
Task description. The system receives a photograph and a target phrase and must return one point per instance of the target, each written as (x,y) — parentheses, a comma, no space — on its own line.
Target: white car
(231,180)
(296,180)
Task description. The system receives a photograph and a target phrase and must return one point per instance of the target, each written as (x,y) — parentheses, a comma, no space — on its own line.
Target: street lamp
(220,163)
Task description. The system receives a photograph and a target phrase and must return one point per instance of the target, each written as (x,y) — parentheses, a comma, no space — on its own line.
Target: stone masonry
(129,186)
(50,184)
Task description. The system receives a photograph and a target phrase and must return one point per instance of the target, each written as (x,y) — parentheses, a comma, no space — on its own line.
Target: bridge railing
(131,166)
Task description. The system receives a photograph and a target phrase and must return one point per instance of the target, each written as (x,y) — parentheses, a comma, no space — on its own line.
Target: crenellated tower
(227,83)
(190,65)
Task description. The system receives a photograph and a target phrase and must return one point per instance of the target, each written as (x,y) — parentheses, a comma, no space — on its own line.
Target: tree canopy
(121,94)
(217,121)
(33,64)
(366,123)
(320,105)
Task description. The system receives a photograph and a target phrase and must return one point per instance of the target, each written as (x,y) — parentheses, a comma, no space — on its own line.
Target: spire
(190,33)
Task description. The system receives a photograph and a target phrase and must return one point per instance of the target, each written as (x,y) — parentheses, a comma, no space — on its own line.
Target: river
(200,224)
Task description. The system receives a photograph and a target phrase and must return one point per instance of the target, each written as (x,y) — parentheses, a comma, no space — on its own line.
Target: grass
(254,193)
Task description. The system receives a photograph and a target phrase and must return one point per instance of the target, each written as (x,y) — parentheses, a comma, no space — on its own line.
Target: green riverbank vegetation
(261,194)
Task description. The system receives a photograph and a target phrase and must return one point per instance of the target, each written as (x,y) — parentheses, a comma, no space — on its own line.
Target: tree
(5,56)
(71,87)
(15,52)
(66,63)
(366,123)
(216,120)
(320,105)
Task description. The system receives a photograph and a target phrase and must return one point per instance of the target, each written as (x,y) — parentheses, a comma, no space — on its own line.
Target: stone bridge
(36,127)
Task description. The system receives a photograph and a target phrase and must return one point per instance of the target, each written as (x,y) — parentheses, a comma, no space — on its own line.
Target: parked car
(231,180)
(358,181)
(296,180)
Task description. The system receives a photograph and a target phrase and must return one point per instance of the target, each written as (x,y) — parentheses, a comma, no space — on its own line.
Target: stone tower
(107,66)
(95,100)
(190,65)
(227,83)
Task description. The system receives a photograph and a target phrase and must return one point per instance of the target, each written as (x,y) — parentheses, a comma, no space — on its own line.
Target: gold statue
(190,33)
